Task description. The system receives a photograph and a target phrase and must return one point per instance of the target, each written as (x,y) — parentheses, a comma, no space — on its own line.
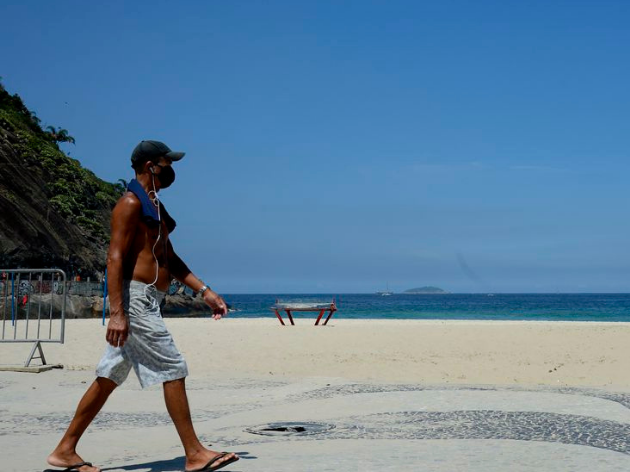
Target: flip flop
(75,467)
(208,467)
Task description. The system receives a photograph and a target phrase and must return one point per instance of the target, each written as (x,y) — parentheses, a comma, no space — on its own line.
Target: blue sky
(340,146)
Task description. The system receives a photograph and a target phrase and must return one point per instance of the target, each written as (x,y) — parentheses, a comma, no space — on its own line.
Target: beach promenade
(353,396)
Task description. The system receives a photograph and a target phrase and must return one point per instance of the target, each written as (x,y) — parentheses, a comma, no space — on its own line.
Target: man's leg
(93,400)
(177,405)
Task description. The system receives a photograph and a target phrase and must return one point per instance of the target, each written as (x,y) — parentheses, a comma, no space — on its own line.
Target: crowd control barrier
(33,308)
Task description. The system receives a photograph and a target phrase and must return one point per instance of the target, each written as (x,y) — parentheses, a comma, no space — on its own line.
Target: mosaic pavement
(570,424)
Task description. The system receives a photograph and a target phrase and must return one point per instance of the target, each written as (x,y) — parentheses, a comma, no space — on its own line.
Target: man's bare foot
(212,459)
(57,459)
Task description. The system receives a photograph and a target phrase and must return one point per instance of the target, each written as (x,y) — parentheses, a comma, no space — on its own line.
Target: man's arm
(124,221)
(181,272)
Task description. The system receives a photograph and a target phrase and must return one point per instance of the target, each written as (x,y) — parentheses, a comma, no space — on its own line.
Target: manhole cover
(290,429)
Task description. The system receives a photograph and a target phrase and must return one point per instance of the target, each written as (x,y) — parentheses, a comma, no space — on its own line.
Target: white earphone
(156,201)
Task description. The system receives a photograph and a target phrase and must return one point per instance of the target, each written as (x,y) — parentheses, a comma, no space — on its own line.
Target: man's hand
(214,301)
(117,330)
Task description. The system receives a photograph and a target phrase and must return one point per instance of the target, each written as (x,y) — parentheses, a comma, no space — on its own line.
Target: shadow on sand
(170,465)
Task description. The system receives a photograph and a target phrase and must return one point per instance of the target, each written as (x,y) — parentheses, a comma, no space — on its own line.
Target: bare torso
(147,256)
(142,252)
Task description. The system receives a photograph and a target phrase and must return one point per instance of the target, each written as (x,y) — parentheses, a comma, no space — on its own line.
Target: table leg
(279,317)
(328,317)
(290,317)
(321,313)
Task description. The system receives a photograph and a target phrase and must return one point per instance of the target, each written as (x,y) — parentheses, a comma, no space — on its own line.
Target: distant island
(425,291)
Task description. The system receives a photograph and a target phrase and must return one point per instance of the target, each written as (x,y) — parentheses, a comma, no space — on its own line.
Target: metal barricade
(33,308)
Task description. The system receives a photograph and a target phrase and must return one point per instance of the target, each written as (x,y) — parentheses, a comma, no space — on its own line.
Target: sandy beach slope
(404,351)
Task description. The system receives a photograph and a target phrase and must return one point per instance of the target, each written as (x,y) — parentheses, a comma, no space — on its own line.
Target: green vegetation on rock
(40,184)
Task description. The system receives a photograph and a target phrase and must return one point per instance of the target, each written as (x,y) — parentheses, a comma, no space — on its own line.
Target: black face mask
(166,176)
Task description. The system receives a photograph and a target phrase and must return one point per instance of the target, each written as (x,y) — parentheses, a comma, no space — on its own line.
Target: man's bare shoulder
(128,206)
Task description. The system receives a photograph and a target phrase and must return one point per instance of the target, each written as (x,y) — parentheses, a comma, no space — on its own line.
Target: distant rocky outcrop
(425,290)
(53,212)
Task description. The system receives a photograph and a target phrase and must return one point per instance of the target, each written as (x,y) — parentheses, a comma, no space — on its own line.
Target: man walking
(140,264)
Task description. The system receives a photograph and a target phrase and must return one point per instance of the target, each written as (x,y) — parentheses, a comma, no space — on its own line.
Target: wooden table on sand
(290,307)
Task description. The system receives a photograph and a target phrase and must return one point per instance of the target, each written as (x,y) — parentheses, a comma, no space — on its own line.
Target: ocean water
(542,307)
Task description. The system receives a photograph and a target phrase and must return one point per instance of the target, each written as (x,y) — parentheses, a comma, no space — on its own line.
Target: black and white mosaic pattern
(57,423)
(476,424)
(468,424)
(471,424)
(487,424)
(352,389)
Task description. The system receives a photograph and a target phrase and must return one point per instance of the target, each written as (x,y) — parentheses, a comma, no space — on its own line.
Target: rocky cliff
(53,212)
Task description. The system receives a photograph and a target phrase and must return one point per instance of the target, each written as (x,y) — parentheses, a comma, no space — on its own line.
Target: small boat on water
(386,292)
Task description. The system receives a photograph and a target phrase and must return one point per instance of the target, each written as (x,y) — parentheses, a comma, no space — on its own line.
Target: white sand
(404,351)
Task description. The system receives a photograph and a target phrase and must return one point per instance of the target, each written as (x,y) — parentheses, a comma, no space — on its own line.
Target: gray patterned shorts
(150,348)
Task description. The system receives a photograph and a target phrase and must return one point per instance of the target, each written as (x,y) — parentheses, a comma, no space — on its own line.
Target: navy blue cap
(149,150)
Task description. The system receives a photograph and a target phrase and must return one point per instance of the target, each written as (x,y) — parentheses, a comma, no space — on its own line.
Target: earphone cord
(156,202)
